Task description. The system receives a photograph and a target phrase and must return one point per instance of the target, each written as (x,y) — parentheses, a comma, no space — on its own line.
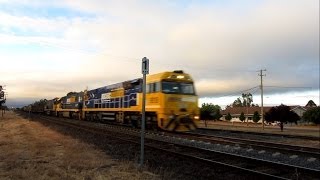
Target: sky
(49,48)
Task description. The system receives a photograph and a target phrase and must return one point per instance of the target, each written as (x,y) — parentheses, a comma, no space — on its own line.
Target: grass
(29,150)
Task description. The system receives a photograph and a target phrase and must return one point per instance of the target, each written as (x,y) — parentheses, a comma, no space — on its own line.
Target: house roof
(251,110)
(238,110)
(297,107)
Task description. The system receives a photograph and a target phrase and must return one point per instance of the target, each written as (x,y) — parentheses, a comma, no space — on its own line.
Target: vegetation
(228,117)
(5,108)
(2,97)
(38,105)
(256,117)
(79,160)
(282,114)
(210,111)
(242,117)
(312,115)
(245,101)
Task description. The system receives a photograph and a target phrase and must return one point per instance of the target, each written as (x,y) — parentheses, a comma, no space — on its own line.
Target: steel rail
(262,133)
(262,144)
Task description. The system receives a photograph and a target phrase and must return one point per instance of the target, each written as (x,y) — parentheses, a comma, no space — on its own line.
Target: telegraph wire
(240,92)
(255,91)
(289,87)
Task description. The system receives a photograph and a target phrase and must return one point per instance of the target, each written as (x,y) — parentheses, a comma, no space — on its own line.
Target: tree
(210,111)
(2,97)
(237,103)
(256,117)
(39,106)
(242,117)
(312,115)
(245,101)
(228,117)
(281,113)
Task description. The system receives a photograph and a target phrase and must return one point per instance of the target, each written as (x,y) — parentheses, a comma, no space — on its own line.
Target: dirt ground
(29,150)
(290,129)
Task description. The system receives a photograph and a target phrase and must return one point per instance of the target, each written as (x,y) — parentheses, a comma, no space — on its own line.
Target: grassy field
(29,150)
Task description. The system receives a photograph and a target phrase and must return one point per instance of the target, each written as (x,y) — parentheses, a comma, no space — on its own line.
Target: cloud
(24,23)
(222,45)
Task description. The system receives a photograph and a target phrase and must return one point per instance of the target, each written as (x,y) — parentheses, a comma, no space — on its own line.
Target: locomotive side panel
(113,102)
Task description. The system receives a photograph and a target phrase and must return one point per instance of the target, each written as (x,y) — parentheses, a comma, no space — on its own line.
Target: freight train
(171,103)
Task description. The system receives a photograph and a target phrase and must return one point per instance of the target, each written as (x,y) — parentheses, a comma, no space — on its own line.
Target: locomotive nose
(181,122)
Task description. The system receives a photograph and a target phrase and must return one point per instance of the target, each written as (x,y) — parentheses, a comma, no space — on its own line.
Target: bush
(256,117)
(242,117)
(312,115)
(210,111)
(228,117)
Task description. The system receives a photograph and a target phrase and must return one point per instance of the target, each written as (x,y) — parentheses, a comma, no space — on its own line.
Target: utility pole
(261,87)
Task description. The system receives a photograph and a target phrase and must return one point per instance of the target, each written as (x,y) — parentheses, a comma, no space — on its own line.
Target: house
(249,111)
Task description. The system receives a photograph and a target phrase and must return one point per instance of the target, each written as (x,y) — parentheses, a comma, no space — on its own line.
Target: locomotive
(171,103)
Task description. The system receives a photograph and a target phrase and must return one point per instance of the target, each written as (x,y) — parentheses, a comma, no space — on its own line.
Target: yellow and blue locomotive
(171,103)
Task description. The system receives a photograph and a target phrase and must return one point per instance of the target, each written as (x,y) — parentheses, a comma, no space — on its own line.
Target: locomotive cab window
(153,87)
(177,88)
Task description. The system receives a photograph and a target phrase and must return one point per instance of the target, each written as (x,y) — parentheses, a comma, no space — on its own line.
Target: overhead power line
(303,87)
(240,92)
(255,90)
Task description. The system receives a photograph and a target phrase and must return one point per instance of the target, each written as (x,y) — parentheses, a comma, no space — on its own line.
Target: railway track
(258,144)
(206,130)
(196,151)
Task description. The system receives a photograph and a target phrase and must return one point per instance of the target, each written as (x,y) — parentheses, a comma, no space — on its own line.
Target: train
(171,103)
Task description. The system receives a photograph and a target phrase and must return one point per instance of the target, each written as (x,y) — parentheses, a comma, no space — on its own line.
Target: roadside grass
(29,150)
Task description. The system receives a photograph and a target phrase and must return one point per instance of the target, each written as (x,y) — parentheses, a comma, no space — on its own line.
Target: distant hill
(17,103)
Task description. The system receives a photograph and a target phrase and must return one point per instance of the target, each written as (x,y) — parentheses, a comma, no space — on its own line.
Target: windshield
(177,88)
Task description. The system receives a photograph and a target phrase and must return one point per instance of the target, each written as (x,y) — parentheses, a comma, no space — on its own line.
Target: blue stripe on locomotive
(72,105)
(131,88)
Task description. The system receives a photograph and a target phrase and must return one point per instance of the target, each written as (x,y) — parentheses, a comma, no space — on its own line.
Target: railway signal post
(145,71)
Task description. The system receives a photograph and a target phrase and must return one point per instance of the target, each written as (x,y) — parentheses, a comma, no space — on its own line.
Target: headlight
(196,117)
